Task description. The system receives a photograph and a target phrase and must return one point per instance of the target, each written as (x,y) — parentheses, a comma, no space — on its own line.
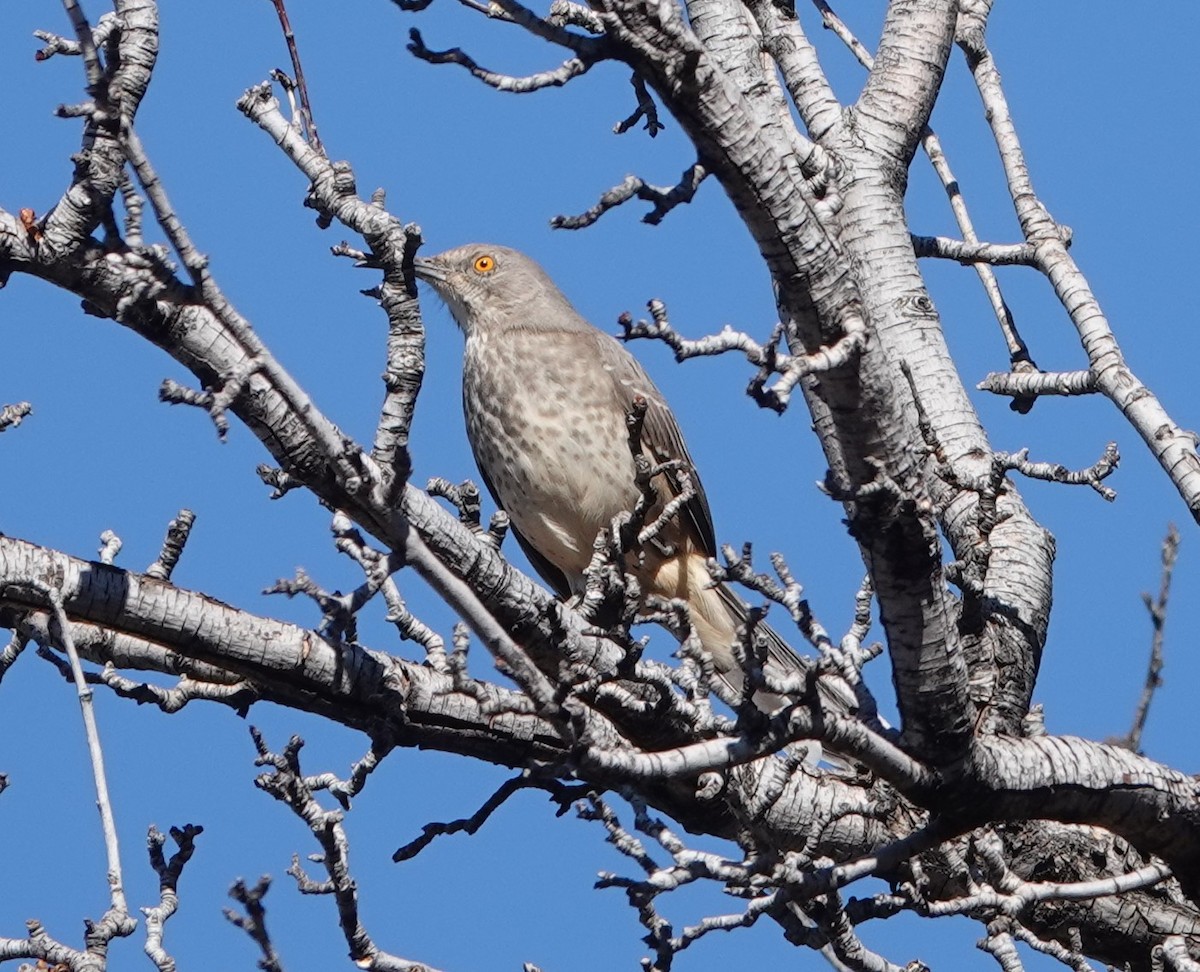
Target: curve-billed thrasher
(546,397)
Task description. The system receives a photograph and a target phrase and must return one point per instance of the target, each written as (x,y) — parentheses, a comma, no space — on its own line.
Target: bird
(546,396)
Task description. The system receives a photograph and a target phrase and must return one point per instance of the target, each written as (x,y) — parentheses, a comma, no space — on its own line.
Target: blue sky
(1109,127)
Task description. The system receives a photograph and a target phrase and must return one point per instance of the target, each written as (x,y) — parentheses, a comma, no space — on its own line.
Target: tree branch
(1173,446)
(665,198)
(1157,607)
(501,82)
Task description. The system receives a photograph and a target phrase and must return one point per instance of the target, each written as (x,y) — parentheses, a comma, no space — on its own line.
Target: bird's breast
(549,433)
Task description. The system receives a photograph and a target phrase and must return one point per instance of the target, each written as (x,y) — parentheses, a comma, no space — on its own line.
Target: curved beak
(428,269)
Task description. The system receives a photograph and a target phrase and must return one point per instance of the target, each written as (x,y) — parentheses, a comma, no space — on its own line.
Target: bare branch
(178,531)
(844,735)
(279,481)
(1093,475)
(897,124)
(239,696)
(110,546)
(117,921)
(1000,945)
(646,108)
(1033,384)
(404,372)
(665,198)
(688,866)
(169,873)
(258,359)
(12,651)
(12,415)
(770,360)
(134,214)
(567,13)
(974,251)
(470,825)
(306,113)
(343,790)
(287,785)
(785,41)
(557,77)
(1177,955)
(215,403)
(1072,958)
(588,48)
(832,22)
(1157,607)
(465,498)
(254,921)
(48,951)
(1173,446)
(1017,351)
(88,44)
(499,642)
(338,610)
(847,948)
(1008,895)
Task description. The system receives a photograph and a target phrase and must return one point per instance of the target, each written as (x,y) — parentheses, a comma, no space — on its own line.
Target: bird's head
(490,286)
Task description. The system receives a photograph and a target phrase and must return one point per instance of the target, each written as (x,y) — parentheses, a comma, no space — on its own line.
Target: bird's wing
(549,573)
(660,433)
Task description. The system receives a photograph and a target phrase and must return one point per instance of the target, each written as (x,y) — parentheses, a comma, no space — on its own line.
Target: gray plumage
(546,397)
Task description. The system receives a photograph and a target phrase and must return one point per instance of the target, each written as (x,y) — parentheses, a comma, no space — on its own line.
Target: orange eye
(484,264)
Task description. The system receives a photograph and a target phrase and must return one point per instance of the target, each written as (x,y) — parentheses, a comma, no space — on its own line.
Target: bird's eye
(484,264)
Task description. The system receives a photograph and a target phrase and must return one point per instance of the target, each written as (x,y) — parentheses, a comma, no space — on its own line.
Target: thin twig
(254,921)
(351,465)
(468,825)
(499,642)
(118,916)
(306,113)
(571,68)
(665,198)
(289,786)
(1158,618)
(769,359)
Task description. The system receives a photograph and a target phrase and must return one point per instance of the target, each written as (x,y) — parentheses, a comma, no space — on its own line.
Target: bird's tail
(718,614)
